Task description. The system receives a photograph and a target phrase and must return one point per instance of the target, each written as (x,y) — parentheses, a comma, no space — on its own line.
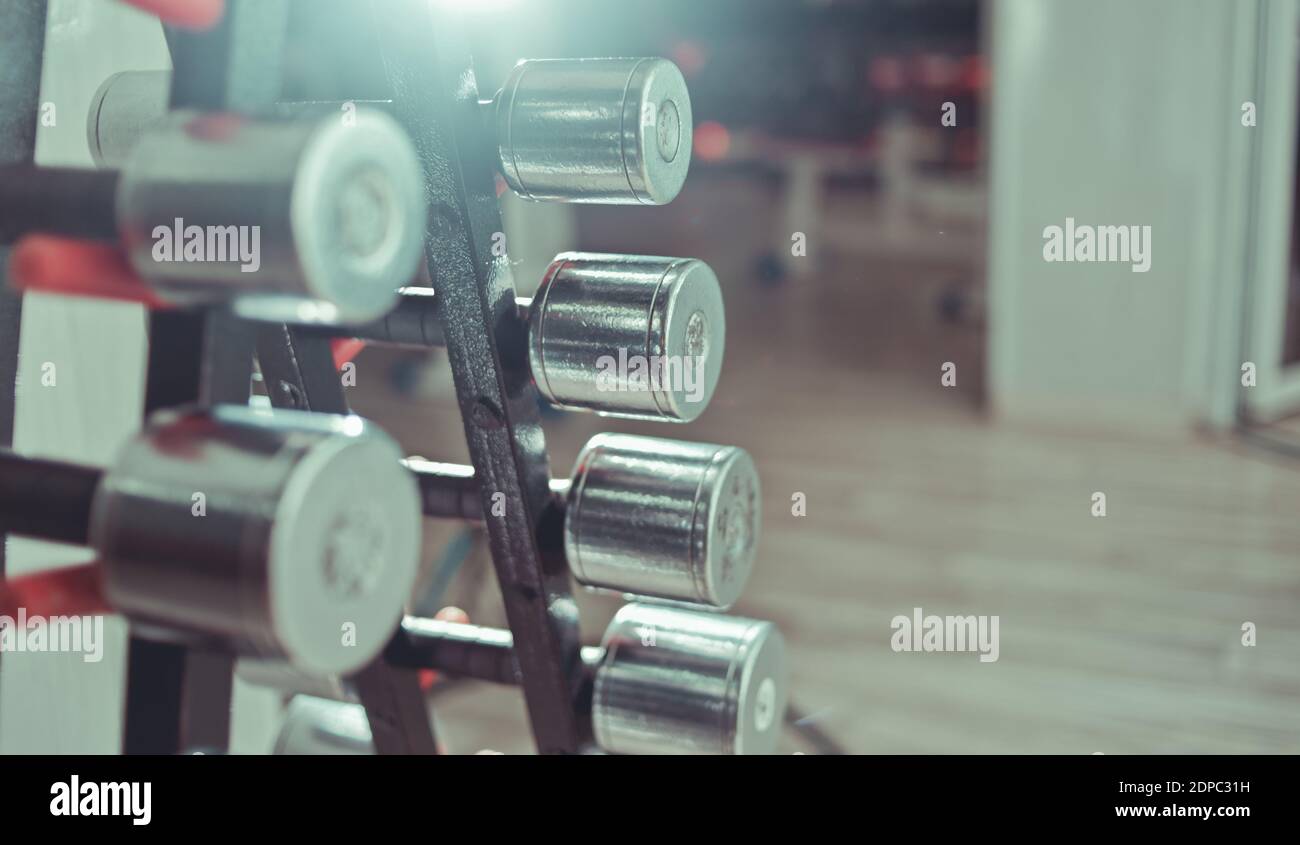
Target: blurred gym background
(820,122)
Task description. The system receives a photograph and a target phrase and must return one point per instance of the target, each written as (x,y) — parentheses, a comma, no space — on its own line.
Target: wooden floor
(1120,634)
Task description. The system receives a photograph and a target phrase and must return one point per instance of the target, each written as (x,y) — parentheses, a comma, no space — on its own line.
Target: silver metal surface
(283,677)
(126,105)
(317,726)
(612,131)
(293,536)
(685,682)
(595,130)
(628,335)
(663,518)
(330,209)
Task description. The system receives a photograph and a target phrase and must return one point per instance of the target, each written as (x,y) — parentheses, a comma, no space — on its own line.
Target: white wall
(1119,113)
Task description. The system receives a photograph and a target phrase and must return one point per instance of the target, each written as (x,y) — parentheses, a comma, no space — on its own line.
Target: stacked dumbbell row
(608,131)
(593,313)
(336,212)
(293,538)
(336,197)
(664,680)
(342,214)
(342,219)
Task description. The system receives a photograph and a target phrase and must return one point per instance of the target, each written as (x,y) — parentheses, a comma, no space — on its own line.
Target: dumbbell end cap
(124,105)
(763,686)
(344,549)
(658,131)
(728,516)
(92,120)
(689,327)
(358,215)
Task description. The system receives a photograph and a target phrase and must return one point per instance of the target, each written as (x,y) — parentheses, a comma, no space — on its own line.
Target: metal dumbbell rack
(424,61)
(178,697)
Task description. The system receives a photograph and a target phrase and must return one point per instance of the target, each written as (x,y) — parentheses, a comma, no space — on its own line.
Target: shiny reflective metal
(595,130)
(313,220)
(663,518)
(628,335)
(125,106)
(685,682)
(293,536)
(611,131)
(316,726)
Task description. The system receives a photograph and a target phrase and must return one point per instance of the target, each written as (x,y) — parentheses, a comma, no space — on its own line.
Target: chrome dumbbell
(643,515)
(595,130)
(124,106)
(629,336)
(574,130)
(288,538)
(663,518)
(291,537)
(665,680)
(638,337)
(303,221)
(678,682)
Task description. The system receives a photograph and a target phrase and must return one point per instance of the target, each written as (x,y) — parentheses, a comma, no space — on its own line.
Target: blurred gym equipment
(286,536)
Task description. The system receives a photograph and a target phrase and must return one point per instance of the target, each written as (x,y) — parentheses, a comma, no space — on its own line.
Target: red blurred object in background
(429,677)
(974,73)
(86,268)
(886,74)
(69,591)
(689,57)
(935,71)
(712,141)
(71,267)
(191,14)
(345,349)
